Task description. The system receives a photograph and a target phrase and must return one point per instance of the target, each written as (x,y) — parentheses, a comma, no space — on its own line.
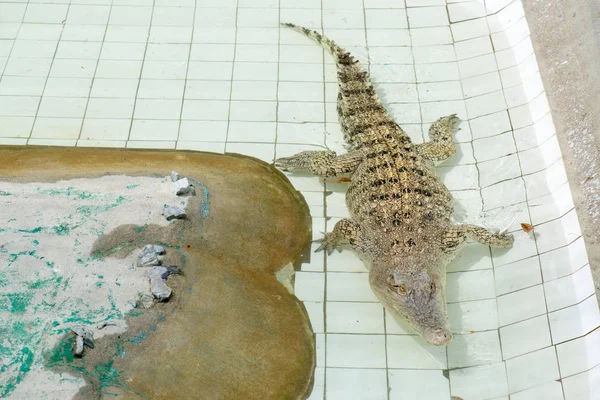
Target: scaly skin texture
(399,209)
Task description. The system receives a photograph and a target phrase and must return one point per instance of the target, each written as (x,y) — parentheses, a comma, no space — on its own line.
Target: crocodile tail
(325,42)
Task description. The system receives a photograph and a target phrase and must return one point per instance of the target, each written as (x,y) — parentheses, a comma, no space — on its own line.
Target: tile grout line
(48,74)
(185,80)
(275,141)
(137,90)
(235,33)
(89,96)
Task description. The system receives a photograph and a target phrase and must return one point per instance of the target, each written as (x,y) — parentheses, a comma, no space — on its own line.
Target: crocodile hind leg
(457,235)
(323,163)
(345,233)
(441,145)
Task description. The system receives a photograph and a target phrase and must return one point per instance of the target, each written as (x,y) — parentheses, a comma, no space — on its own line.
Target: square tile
(112,69)
(67,87)
(155,129)
(473,316)
(114,88)
(485,381)
(579,355)
(33,48)
(245,131)
(489,125)
(551,207)
(309,286)
(517,275)
(346,261)
(558,233)
(431,36)
(541,157)
(569,290)
(202,90)
(205,131)
(525,337)
(39,31)
(532,369)
(45,13)
(300,112)
(105,129)
(392,73)
(545,182)
(423,17)
(345,383)
(254,90)
(547,391)
(434,54)
(16,127)
(347,317)
(521,305)
(407,351)
(385,19)
(471,285)
(505,193)
(158,109)
(578,320)
(81,33)
(356,351)
(257,17)
(584,386)
(74,49)
(499,169)
(438,91)
(470,29)
(564,261)
(25,67)
(388,37)
(473,349)
(22,86)
(110,108)
(523,247)
(418,385)
(172,34)
(205,110)
(342,286)
(316,315)
(122,51)
(56,128)
(130,15)
(66,107)
(253,111)
(124,33)
(160,89)
(466,10)
(173,16)
(83,14)
(309,133)
(246,71)
(52,142)
(438,72)
(19,106)
(481,84)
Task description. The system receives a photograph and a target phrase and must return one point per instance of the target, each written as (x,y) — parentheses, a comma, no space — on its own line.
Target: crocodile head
(418,298)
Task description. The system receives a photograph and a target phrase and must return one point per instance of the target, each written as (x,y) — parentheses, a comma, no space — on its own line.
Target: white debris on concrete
(158,285)
(146,301)
(175,176)
(182,187)
(83,337)
(172,213)
(150,255)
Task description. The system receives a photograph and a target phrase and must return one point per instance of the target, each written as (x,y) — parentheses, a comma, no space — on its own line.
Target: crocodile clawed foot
(310,160)
(502,240)
(329,243)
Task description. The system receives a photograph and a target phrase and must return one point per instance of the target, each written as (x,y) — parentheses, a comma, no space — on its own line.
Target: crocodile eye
(401,289)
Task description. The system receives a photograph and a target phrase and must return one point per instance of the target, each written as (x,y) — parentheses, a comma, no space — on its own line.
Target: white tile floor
(220,75)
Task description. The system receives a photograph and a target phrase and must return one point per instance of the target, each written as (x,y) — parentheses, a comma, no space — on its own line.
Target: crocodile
(400,211)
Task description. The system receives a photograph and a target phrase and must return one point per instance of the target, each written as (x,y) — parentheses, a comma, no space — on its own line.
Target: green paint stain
(131,186)
(62,229)
(35,230)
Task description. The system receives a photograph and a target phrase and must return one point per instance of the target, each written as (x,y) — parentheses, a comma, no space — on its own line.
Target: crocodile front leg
(457,235)
(441,145)
(323,163)
(345,233)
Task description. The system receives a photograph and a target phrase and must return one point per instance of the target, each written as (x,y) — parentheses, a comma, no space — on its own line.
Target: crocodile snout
(438,337)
